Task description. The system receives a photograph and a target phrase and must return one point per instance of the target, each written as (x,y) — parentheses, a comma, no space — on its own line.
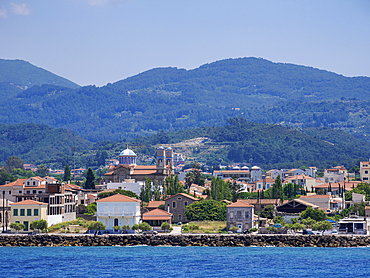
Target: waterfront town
(168,197)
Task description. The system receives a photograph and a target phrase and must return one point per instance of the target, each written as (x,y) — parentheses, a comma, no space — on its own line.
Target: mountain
(36,143)
(17,75)
(173,99)
(271,146)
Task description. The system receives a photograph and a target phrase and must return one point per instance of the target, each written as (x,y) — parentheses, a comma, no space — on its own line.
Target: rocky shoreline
(186,240)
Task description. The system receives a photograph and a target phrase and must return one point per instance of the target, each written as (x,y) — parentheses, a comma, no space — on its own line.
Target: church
(127,169)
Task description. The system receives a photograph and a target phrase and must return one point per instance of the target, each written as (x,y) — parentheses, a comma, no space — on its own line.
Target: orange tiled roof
(117,198)
(157,214)
(28,203)
(240,204)
(155,204)
(144,172)
(315,196)
(18,182)
(185,195)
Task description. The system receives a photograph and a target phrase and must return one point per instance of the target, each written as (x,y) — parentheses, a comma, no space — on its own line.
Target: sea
(145,261)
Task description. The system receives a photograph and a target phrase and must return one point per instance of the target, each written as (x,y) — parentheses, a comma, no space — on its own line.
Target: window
(20,191)
(180,217)
(29,212)
(185,203)
(28,192)
(28,183)
(238,214)
(365,178)
(34,183)
(36,212)
(22,212)
(247,214)
(33,191)
(10,192)
(366,172)
(178,198)
(174,204)
(15,212)
(40,192)
(231,214)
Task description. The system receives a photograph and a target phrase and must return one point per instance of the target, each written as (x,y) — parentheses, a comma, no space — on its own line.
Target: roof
(157,214)
(267,180)
(300,177)
(117,198)
(239,204)
(184,195)
(367,207)
(18,182)
(144,172)
(262,201)
(232,171)
(72,186)
(316,197)
(28,203)
(155,204)
(50,178)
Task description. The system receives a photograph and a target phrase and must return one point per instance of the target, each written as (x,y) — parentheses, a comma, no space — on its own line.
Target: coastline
(209,240)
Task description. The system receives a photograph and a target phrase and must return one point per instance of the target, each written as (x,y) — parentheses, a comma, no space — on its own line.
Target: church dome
(127,152)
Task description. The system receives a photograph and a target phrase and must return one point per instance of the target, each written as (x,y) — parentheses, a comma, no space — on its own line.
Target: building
(365,171)
(61,203)
(177,204)
(295,206)
(127,184)
(264,184)
(260,204)
(28,211)
(118,210)
(239,214)
(156,217)
(154,205)
(129,170)
(305,181)
(353,225)
(333,175)
(322,201)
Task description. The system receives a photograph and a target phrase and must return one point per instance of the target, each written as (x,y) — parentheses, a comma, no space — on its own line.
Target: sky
(95,42)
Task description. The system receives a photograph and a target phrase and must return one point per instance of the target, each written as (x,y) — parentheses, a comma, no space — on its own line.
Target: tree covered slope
(174,99)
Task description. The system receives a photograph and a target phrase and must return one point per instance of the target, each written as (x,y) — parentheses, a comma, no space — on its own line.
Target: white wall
(134,186)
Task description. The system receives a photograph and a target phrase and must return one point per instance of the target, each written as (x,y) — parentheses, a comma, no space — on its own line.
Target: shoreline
(209,240)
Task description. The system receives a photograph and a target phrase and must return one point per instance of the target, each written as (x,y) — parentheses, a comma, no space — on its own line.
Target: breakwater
(186,240)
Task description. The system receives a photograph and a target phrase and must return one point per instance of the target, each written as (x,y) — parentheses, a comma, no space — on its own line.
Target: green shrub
(253,229)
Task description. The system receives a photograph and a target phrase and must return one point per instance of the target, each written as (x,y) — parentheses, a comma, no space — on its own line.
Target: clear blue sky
(103,41)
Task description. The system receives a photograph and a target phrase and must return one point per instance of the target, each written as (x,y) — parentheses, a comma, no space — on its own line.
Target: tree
(268,212)
(13,162)
(67,173)
(144,226)
(126,227)
(5,176)
(17,226)
(39,225)
(96,225)
(189,179)
(146,191)
(135,227)
(322,226)
(90,180)
(308,222)
(165,226)
(277,189)
(117,228)
(42,170)
(91,208)
(234,229)
(316,214)
(206,210)
(297,226)
(235,189)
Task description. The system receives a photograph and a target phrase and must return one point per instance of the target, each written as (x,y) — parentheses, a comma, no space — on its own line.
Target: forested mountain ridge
(36,143)
(175,99)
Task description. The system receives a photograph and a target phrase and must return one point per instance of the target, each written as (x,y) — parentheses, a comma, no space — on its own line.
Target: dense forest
(173,99)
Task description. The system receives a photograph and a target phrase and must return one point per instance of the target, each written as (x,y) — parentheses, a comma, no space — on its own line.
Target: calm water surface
(146,261)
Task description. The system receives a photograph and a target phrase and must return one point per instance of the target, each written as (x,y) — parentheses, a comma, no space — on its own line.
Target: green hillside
(271,146)
(22,75)
(36,143)
(173,99)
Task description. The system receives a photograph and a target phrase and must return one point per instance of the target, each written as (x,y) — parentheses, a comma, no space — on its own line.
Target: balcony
(109,213)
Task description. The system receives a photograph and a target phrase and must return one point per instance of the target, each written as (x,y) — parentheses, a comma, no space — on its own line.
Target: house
(322,201)
(5,211)
(333,175)
(305,181)
(177,204)
(118,210)
(129,170)
(353,225)
(28,211)
(156,217)
(265,184)
(260,204)
(365,171)
(335,186)
(239,214)
(295,206)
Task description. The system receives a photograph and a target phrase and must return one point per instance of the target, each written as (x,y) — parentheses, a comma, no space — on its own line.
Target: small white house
(118,210)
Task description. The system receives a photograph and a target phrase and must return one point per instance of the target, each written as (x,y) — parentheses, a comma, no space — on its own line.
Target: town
(168,197)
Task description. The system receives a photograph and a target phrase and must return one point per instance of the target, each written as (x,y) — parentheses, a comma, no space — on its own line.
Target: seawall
(186,240)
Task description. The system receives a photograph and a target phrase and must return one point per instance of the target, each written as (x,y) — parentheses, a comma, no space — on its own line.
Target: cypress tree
(90,180)
(67,173)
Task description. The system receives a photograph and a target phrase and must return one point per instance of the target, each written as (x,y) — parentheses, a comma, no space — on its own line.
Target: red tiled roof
(155,204)
(144,172)
(18,182)
(157,214)
(315,196)
(184,195)
(117,198)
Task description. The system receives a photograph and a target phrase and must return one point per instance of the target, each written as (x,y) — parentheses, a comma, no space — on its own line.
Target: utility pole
(3,209)
(74,162)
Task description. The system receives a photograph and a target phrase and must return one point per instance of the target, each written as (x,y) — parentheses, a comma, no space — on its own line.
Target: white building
(129,185)
(118,210)
(365,171)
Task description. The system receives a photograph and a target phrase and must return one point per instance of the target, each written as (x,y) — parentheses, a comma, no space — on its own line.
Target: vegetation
(322,226)
(96,225)
(90,180)
(165,226)
(117,228)
(206,210)
(144,226)
(315,214)
(39,225)
(205,227)
(17,226)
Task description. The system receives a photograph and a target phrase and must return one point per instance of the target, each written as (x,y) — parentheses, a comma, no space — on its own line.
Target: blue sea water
(144,261)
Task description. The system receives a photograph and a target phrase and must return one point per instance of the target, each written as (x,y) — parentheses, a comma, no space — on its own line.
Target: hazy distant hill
(18,74)
(173,99)
(36,142)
